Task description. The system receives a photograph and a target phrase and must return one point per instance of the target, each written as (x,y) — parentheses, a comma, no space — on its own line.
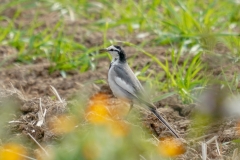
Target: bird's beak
(103,50)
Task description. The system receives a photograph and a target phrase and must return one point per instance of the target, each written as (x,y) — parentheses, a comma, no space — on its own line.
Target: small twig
(12,87)
(204,151)
(41,114)
(15,122)
(155,138)
(96,87)
(40,105)
(56,93)
(204,147)
(217,147)
(143,158)
(20,154)
(235,154)
(38,144)
(211,140)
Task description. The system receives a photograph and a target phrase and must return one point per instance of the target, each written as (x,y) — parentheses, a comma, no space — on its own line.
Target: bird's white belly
(116,91)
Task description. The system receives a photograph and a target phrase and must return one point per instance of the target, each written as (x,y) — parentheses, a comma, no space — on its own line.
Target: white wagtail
(125,85)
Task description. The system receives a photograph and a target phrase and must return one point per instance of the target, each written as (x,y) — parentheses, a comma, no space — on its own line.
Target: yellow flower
(171,147)
(12,151)
(97,112)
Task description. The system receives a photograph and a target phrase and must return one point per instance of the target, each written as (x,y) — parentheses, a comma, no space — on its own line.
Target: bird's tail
(153,109)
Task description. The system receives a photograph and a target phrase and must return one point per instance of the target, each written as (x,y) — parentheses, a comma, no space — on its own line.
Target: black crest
(122,55)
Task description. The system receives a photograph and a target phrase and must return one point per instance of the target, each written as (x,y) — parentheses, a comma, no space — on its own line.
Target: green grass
(188,27)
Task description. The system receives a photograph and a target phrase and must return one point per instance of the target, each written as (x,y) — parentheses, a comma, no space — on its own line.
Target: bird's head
(116,52)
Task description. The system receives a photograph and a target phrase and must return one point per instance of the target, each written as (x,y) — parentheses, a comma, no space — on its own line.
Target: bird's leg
(131,106)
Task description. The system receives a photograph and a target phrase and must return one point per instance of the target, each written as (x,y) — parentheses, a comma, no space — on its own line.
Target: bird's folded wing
(127,80)
(121,83)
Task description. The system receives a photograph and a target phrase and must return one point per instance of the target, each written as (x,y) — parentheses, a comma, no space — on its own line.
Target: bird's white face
(113,51)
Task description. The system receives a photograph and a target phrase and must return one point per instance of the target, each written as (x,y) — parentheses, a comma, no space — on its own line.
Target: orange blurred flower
(99,112)
(171,147)
(63,124)
(12,151)
(103,107)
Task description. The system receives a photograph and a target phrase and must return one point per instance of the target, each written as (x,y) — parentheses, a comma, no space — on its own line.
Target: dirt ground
(27,83)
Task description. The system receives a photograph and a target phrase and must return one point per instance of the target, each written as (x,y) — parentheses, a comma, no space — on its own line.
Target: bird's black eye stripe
(113,50)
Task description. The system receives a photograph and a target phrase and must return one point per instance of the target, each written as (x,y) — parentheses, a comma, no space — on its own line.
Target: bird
(125,85)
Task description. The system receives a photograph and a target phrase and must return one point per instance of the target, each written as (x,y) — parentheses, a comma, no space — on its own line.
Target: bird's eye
(111,50)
